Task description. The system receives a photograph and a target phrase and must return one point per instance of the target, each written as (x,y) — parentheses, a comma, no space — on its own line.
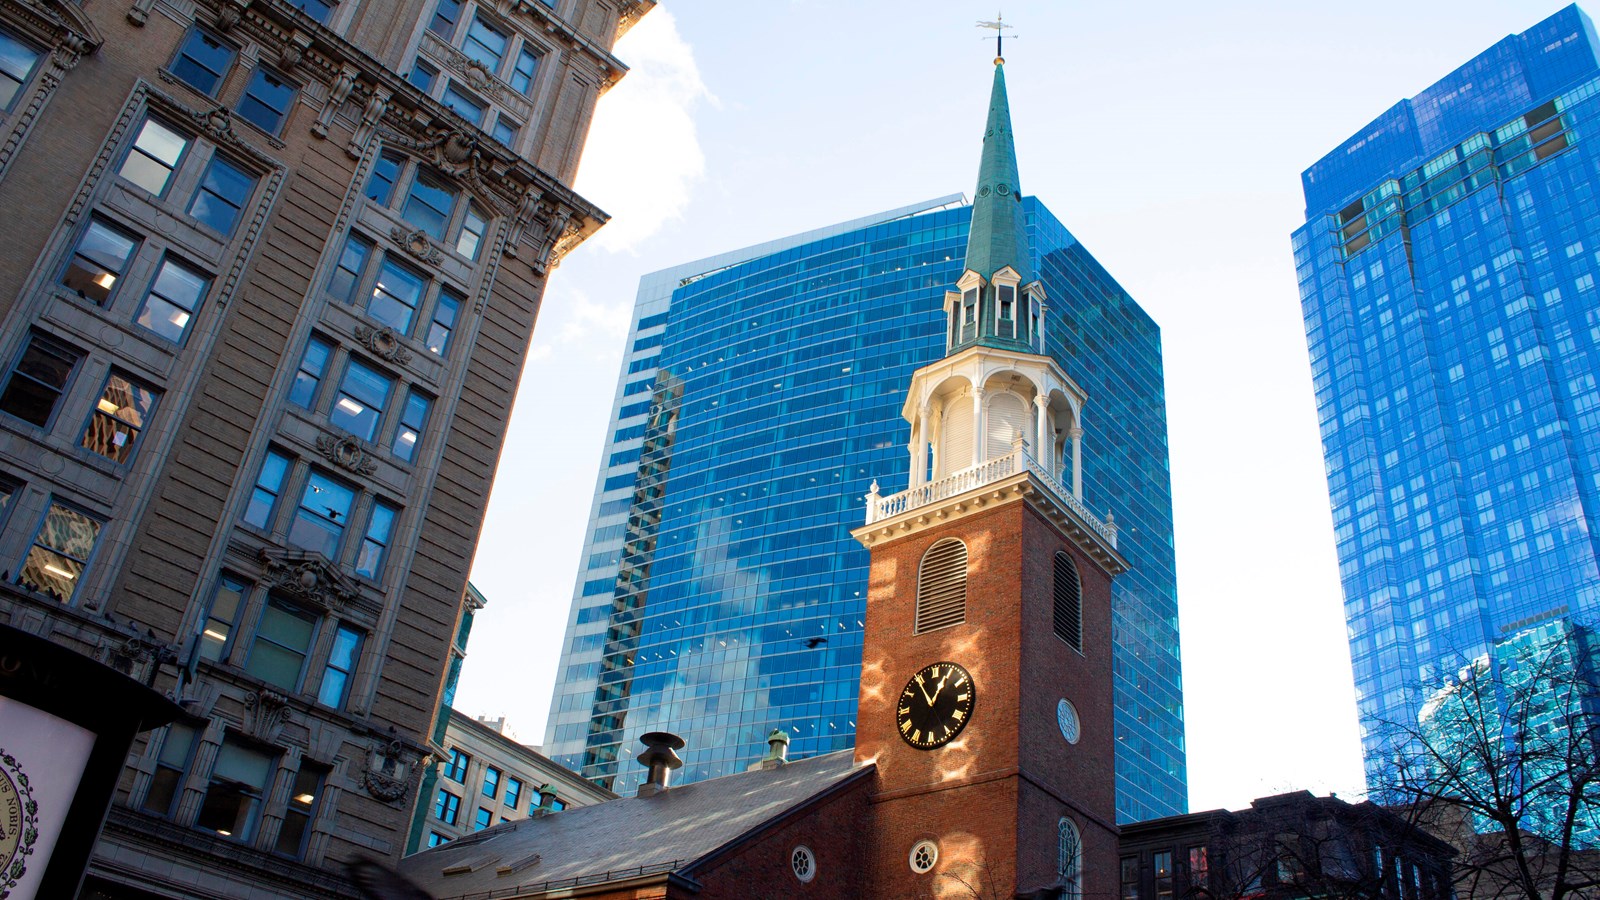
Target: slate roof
(629,836)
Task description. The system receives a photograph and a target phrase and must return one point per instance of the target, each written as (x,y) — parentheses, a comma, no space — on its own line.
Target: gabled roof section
(998,237)
(667,833)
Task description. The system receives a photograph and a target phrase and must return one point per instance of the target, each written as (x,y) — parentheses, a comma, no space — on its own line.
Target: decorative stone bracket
(268,713)
(384,343)
(308,577)
(346,453)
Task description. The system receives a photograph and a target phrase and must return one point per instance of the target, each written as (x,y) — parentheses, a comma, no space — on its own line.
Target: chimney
(777,751)
(547,799)
(661,760)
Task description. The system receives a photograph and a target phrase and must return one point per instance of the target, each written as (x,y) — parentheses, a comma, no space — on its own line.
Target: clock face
(935,705)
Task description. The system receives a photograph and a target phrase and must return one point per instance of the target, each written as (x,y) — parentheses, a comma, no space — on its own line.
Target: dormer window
(1007,326)
(969,314)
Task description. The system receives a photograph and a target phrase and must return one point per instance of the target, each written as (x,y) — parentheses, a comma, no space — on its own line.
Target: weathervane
(999,27)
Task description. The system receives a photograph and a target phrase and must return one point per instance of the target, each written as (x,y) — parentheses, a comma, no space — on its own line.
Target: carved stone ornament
(307,577)
(384,343)
(571,237)
(268,713)
(346,453)
(417,244)
(387,776)
(218,123)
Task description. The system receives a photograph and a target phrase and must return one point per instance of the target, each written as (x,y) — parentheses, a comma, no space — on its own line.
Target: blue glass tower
(1447,268)
(722,595)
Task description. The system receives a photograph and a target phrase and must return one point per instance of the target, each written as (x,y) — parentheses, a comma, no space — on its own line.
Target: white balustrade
(988,472)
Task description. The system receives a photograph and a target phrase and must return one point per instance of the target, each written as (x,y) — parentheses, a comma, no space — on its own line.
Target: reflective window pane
(16,67)
(38,380)
(395,296)
(202,61)
(99,261)
(59,553)
(174,297)
(223,192)
(363,393)
(119,418)
(153,157)
(266,101)
(321,517)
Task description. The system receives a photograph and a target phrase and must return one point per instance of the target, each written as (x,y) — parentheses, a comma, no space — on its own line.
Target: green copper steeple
(999,236)
(998,302)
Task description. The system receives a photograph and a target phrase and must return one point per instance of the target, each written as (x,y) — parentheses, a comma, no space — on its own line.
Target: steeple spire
(999,236)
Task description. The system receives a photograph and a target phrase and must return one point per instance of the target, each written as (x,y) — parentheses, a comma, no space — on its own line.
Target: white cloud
(643,154)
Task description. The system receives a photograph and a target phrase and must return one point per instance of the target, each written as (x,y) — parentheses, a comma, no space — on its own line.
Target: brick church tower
(986,698)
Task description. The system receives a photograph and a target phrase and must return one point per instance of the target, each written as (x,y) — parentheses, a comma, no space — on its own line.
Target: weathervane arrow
(999,27)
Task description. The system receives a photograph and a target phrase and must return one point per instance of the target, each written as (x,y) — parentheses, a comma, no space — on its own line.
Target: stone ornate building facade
(270,270)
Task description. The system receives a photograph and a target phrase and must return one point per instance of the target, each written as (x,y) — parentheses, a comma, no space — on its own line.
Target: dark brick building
(1287,846)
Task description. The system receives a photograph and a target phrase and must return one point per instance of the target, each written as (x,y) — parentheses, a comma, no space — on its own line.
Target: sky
(1168,136)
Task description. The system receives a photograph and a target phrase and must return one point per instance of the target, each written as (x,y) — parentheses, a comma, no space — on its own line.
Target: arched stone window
(942,586)
(1069,859)
(1068,617)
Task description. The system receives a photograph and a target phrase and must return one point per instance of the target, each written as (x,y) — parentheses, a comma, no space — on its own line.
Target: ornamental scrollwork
(384,343)
(387,776)
(306,577)
(346,453)
(417,244)
(268,713)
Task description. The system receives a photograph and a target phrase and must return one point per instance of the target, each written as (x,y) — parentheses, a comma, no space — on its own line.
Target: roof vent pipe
(660,758)
(777,751)
(547,799)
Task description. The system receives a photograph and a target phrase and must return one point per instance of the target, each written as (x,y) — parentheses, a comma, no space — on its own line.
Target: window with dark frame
(224,190)
(173,299)
(320,10)
(455,768)
(347,273)
(505,130)
(396,295)
(341,667)
(232,803)
(60,552)
(308,377)
(18,61)
(445,311)
(491,781)
(447,808)
(38,380)
(375,545)
(319,520)
(99,260)
(154,156)
(482,819)
(435,839)
(485,44)
(304,796)
(119,418)
(266,100)
(359,403)
(430,204)
(203,62)
(222,618)
(445,16)
(473,228)
(526,70)
(422,76)
(269,486)
(282,642)
(464,105)
(172,763)
(385,172)
(413,419)
(1130,878)
(513,792)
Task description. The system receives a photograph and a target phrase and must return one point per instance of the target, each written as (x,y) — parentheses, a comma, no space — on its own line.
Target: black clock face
(935,706)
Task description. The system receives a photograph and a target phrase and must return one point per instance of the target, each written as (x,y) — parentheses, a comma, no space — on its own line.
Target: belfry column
(1076,434)
(980,432)
(1042,445)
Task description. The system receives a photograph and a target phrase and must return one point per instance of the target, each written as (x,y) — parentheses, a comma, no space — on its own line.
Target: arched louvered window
(1069,859)
(1008,417)
(942,586)
(1068,602)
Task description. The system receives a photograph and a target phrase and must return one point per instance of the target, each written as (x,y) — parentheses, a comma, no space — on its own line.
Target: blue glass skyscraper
(1447,269)
(722,595)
